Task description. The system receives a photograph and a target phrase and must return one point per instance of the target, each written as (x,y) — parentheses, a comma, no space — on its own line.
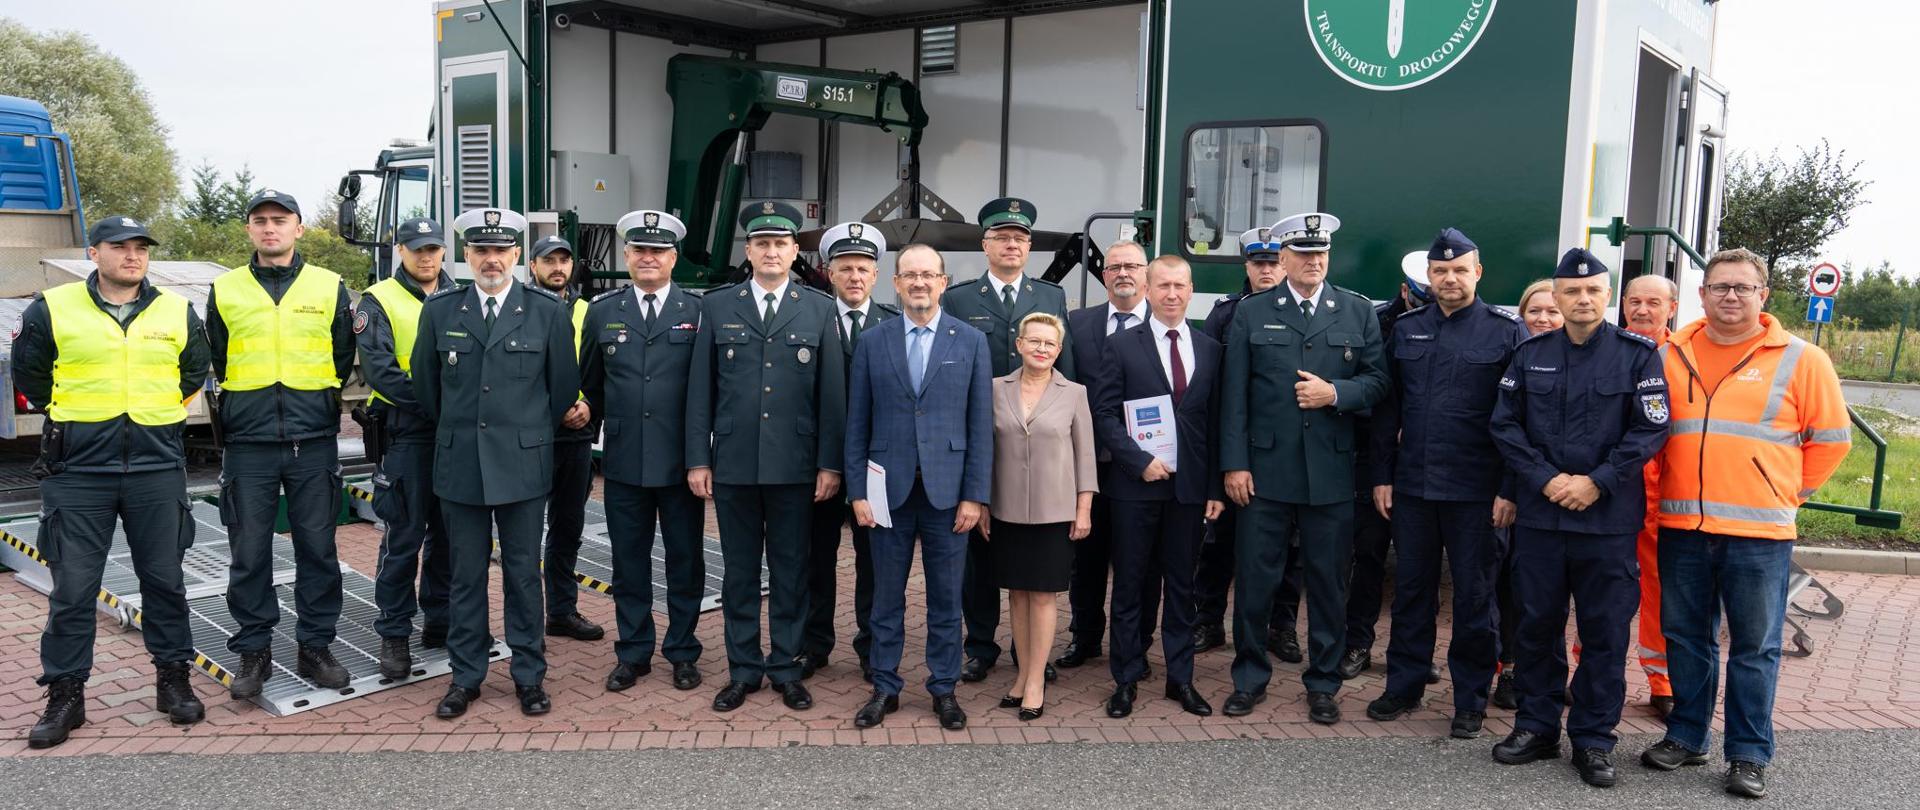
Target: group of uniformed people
(1336,425)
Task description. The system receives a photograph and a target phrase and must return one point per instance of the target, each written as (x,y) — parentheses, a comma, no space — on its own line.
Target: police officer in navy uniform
(414,540)
(766,421)
(281,331)
(495,367)
(1301,358)
(1444,482)
(551,268)
(112,452)
(636,352)
(994,303)
(1213,577)
(851,251)
(1580,412)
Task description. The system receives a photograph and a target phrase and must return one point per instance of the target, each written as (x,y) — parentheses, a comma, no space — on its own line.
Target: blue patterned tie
(917,356)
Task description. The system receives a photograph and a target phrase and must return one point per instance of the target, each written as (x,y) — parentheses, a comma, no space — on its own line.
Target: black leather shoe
(1209,637)
(1747,779)
(1240,704)
(1077,654)
(1051,674)
(1391,707)
(316,663)
(734,694)
(947,708)
(433,637)
(1667,755)
(1595,767)
(625,675)
(66,711)
(255,669)
(1353,662)
(795,695)
(1189,699)
(1120,703)
(975,670)
(1522,747)
(1433,674)
(1662,705)
(875,710)
(1285,644)
(396,658)
(576,626)
(1322,708)
(173,695)
(686,675)
(1466,725)
(533,700)
(1505,695)
(456,702)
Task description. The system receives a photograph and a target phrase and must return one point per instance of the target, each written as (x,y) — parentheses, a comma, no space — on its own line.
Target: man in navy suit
(920,407)
(1159,508)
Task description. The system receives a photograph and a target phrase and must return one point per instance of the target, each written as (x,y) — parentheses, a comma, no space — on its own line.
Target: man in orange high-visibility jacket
(1758,425)
(1649,303)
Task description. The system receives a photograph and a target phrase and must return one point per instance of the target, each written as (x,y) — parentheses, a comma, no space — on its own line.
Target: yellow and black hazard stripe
(208,666)
(594,584)
(24,547)
(360,494)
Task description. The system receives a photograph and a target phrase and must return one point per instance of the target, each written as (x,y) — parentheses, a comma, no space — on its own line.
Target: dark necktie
(853,327)
(1179,367)
(1006,297)
(1307,307)
(492,310)
(1120,321)
(766,318)
(649,298)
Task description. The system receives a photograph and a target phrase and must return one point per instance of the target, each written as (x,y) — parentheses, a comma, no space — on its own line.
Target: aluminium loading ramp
(204,567)
(594,570)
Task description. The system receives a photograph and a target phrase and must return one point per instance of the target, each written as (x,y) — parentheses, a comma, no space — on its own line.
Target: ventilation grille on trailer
(476,167)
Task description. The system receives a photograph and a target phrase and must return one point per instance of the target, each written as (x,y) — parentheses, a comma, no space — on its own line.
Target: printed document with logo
(1150,423)
(877,495)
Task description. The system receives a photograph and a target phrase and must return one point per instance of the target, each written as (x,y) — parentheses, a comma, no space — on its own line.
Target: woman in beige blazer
(1043,485)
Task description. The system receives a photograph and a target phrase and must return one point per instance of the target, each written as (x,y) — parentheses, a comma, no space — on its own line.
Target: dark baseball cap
(119,229)
(268,196)
(551,244)
(420,232)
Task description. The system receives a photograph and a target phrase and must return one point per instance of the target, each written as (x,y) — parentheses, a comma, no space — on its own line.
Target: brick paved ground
(1862,677)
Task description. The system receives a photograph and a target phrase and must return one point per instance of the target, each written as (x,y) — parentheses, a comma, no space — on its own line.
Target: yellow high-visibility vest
(290,343)
(403,315)
(103,371)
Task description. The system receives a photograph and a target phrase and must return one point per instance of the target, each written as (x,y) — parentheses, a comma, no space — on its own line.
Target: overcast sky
(303,93)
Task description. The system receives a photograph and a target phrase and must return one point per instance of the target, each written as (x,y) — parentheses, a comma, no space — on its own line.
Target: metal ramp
(594,571)
(205,572)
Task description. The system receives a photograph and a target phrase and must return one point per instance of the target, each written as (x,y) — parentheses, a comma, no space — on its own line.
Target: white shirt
(866,314)
(1165,346)
(499,299)
(1000,286)
(760,295)
(1315,299)
(1139,313)
(659,298)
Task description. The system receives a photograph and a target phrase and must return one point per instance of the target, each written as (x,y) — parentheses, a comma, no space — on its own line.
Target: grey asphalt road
(1905,399)
(1861,769)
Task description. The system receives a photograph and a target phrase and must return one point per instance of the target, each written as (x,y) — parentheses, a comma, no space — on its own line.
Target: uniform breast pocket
(680,336)
(803,350)
(525,357)
(1481,369)
(1272,348)
(1346,347)
(455,351)
(1543,398)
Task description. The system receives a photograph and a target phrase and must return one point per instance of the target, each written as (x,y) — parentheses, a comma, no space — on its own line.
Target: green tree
(123,163)
(1786,210)
(207,203)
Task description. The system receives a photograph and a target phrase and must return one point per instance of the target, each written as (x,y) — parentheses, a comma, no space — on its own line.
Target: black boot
(173,695)
(66,711)
(396,658)
(1505,694)
(255,668)
(318,665)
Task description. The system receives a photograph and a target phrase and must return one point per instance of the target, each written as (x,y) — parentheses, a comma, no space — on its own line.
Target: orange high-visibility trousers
(1653,646)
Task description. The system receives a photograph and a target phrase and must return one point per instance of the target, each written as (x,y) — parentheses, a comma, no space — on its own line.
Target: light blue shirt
(919,347)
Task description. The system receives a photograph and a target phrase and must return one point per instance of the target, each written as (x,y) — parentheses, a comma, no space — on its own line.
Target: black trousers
(566,518)
(77,516)
(764,522)
(1422,531)
(980,601)
(1366,588)
(1087,587)
(252,477)
(823,574)
(472,530)
(413,545)
(631,512)
(1154,546)
(1504,599)
(1326,556)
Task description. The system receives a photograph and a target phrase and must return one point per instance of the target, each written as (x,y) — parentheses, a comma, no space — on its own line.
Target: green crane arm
(716,101)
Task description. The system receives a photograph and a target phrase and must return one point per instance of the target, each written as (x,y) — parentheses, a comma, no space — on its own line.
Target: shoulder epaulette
(1228,299)
(887,308)
(1636,336)
(453,290)
(1045,283)
(1504,312)
(816,291)
(1532,338)
(609,294)
(543,291)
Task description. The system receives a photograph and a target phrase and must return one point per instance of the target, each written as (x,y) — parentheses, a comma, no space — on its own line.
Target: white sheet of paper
(877,494)
(1150,423)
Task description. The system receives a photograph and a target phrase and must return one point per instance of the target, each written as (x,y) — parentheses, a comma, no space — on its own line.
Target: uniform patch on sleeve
(1508,383)
(359,321)
(1655,407)
(1651,382)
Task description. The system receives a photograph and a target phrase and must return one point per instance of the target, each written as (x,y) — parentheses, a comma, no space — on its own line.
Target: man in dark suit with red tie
(1158,508)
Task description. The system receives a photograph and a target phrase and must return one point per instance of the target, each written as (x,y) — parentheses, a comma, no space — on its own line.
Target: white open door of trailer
(472,134)
(1697,217)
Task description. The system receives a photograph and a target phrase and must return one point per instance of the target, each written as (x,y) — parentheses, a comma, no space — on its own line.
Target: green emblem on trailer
(1395,44)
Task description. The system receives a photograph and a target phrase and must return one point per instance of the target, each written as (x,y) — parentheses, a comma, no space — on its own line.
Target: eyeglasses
(1127,268)
(1005,239)
(1041,343)
(1738,290)
(916,278)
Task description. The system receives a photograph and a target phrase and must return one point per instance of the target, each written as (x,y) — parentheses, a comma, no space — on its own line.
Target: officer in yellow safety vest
(415,542)
(282,337)
(112,360)
(552,270)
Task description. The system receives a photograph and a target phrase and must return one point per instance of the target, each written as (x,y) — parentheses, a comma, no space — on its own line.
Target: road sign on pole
(1820,310)
(1823,282)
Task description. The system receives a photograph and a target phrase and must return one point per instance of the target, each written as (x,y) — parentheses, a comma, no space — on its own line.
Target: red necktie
(1179,368)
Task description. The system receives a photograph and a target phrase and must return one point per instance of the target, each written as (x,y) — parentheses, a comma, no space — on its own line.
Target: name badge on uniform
(805,355)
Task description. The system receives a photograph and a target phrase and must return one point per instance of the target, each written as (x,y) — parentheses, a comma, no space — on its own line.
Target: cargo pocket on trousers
(187,524)
(389,503)
(229,503)
(48,540)
(339,479)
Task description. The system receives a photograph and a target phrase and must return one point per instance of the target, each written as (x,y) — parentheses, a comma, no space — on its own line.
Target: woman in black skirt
(1043,485)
